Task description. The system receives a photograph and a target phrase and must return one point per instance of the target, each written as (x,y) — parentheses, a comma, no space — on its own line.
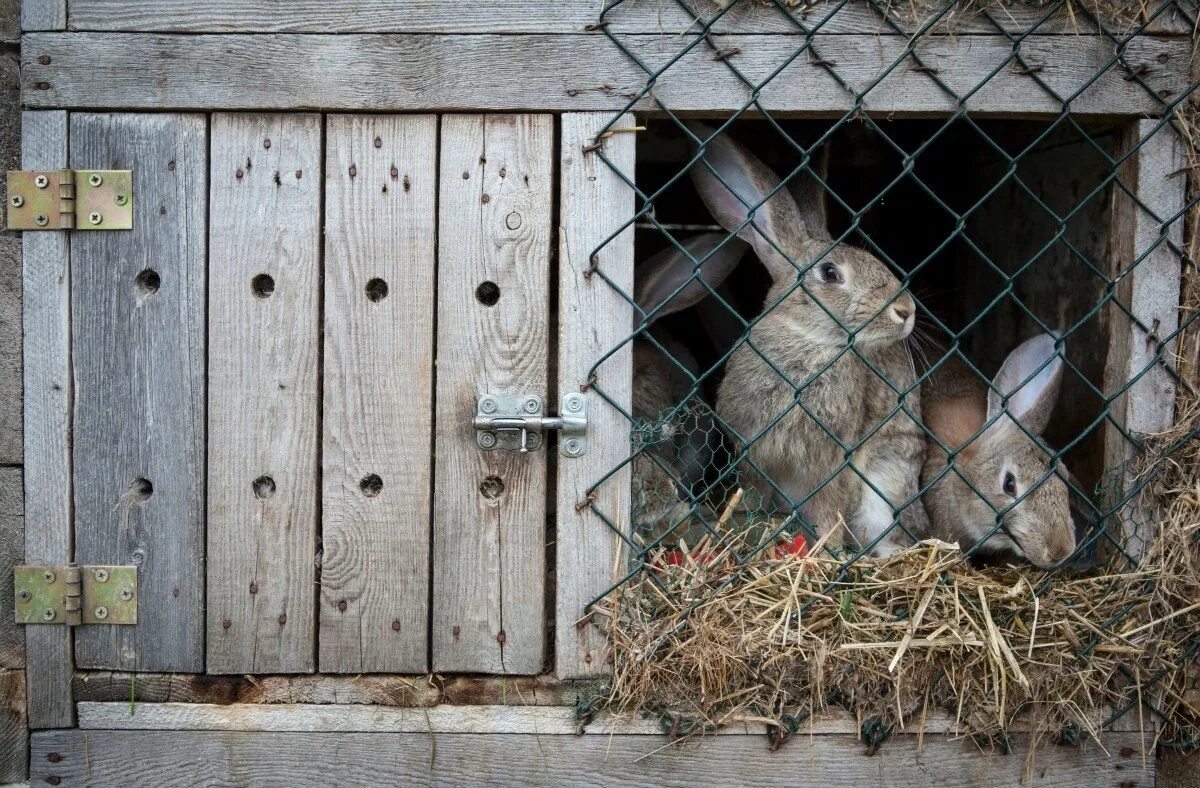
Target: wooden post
(593,319)
(1149,272)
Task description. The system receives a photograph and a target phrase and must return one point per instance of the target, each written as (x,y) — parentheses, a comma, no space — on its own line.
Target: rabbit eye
(830,273)
(1010,484)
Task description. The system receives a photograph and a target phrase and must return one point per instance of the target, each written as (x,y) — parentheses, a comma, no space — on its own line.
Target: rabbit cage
(370,350)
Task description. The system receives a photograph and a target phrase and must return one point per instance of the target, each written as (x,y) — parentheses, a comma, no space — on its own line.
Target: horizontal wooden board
(580,72)
(538,16)
(96,757)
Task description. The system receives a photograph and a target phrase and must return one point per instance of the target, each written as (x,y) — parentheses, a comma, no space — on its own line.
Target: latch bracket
(515,423)
(75,595)
(70,199)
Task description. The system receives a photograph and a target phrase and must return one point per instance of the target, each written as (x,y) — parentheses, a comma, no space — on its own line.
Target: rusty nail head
(48,615)
(101,575)
(95,218)
(17,200)
(54,757)
(41,181)
(101,612)
(95,179)
(48,575)
(396,625)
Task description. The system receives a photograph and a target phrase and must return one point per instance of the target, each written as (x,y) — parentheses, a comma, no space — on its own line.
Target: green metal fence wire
(670,510)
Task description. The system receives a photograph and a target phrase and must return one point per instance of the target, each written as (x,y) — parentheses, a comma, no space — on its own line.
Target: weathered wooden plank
(193,757)
(593,318)
(582,72)
(46,316)
(537,16)
(489,508)
(12,553)
(380,193)
(264,288)
(1149,272)
(14,728)
(137,320)
(372,689)
(43,14)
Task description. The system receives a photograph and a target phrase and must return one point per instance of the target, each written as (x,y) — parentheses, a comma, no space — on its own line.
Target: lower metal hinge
(70,199)
(516,423)
(75,595)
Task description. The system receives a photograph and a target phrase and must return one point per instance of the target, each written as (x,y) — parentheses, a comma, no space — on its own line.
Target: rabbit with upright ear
(680,446)
(796,393)
(1003,465)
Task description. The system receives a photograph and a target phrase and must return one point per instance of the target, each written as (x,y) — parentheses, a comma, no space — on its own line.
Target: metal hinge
(75,595)
(516,423)
(70,199)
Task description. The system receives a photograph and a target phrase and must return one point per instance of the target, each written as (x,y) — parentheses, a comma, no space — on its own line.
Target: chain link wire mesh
(703,484)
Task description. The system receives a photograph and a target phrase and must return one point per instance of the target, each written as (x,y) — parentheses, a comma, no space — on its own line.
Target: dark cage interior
(999,227)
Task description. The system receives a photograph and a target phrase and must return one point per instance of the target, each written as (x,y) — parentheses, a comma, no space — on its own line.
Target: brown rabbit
(794,425)
(1003,463)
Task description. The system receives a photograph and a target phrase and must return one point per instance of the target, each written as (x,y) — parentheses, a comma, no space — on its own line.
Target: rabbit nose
(901,312)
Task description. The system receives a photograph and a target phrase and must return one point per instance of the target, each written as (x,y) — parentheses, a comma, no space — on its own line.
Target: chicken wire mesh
(843,412)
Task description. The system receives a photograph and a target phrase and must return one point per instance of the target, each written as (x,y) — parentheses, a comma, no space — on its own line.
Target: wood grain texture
(12,553)
(263,392)
(139,388)
(380,220)
(369,689)
(593,319)
(489,552)
(572,72)
(192,757)
(14,728)
(1148,271)
(43,14)
(46,316)
(536,16)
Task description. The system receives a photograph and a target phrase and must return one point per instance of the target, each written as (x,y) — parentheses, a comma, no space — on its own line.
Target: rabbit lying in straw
(793,426)
(1003,464)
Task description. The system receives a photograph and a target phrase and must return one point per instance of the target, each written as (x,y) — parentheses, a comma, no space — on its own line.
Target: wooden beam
(77,757)
(43,15)
(1148,272)
(264,319)
(594,318)
(537,16)
(583,72)
(380,233)
(138,332)
(12,553)
(46,315)
(14,728)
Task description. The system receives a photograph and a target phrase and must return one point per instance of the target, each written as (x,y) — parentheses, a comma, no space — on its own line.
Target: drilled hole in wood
(264,487)
(140,490)
(371,485)
(262,285)
(148,281)
(492,487)
(488,293)
(377,290)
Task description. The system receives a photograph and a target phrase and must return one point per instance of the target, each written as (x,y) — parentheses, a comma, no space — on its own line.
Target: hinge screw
(48,576)
(24,595)
(101,612)
(531,405)
(122,199)
(17,201)
(94,217)
(488,405)
(41,181)
(41,219)
(95,179)
(126,594)
(487,439)
(101,575)
(47,615)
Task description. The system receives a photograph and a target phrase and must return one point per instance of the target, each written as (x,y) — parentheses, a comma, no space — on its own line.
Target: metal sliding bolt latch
(516,423)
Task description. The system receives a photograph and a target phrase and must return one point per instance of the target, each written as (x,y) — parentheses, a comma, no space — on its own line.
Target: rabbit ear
(1031,405)
(743,183)
(657,279)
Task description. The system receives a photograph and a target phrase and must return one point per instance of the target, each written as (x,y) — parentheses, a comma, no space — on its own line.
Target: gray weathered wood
(380,192)
(12,553)
(195,757)
(593,319)
(583,72)
(43,14)
(139,388)
(489,539)
(537,16)
(1149,271)
(46,315)
(14,728)
(263,392)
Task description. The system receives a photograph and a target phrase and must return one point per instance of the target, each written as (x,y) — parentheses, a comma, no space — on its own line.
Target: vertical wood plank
(1150,272)
(46,316)
(264,325)
(43,15)
(12,553)
(593,319)
(488,542)
(137,309)
(380,220)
